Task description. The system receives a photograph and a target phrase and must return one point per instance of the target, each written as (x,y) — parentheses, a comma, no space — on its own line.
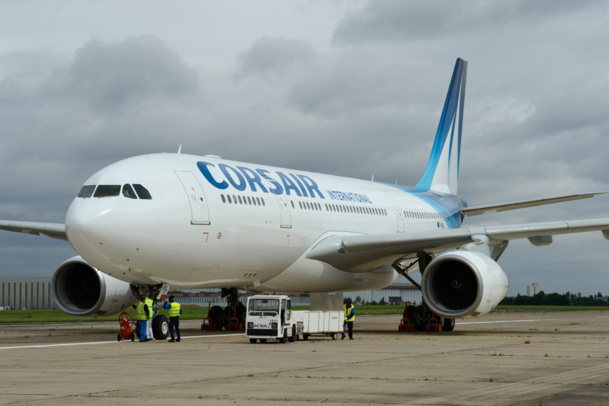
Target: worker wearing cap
(174,317)
(349,318)
(149,333)
(141,315)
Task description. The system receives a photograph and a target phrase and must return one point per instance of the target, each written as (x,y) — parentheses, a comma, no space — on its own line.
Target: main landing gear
(232,317)
(420,318)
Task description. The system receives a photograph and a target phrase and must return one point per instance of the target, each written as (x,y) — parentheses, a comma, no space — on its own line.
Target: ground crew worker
(174,317)
(149,333)
(349,310)
(141,315)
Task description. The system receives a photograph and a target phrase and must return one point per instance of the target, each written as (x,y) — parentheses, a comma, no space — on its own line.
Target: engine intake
(463,283)
(81,290)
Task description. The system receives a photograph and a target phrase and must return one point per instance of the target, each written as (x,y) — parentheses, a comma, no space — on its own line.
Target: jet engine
(81,290)
(463,283)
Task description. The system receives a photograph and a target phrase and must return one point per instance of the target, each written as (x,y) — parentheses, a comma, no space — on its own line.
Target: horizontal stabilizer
(494,208)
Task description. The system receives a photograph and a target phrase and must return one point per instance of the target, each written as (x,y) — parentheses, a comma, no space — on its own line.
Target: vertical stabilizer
(442,173)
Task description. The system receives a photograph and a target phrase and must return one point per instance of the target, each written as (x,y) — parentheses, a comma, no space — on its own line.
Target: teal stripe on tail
(442,173)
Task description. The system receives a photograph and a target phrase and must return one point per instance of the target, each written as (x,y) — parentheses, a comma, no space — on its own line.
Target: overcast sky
(351,88)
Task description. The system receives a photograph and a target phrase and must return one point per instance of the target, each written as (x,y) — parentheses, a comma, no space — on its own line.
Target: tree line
(556,299)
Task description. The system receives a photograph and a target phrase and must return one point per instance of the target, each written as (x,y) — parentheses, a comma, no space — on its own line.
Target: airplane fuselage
(195,222)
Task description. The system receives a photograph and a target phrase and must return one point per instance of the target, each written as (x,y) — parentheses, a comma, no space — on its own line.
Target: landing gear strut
(421,317)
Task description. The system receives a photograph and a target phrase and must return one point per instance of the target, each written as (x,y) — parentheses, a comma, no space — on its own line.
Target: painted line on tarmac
(18,347)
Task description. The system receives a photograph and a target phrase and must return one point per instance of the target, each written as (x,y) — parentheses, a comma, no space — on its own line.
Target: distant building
(399,292)
(18,293)
(532,289)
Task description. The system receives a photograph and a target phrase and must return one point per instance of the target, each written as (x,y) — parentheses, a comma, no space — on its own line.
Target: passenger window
(86,191)
(142,192)
(128,192)
(107,190)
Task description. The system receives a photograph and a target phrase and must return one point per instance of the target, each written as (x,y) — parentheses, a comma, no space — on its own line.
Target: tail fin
(442,173)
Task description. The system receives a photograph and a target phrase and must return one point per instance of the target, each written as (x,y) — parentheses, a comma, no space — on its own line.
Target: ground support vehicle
(269,317)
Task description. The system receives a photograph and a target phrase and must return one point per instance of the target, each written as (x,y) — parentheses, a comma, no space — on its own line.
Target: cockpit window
(142,192)
(86,191)
(128,192)
(107,190)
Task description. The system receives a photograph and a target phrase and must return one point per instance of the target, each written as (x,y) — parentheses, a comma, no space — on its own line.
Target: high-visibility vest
(140,313)
(348,316)
(149,303)
(175,309)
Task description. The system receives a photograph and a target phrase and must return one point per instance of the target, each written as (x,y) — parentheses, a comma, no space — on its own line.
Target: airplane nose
(88,225)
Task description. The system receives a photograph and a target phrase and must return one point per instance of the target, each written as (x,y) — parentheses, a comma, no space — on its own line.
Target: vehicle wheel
(282,339)
(293,337)
(334,336)
(305,337)
(132,337)
(253,341)
(448,324)
(160,327)
(118,338)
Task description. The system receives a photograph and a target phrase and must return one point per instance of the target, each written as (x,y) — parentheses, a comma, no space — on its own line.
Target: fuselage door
(284,211)
(198,204)
(400,217)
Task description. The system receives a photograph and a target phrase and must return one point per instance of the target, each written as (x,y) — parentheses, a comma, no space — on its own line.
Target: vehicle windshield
(266,307)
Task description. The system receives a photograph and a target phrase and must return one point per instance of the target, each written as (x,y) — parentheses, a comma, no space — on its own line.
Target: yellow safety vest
(175,309)
(140,313)
(149,303)
(349,318)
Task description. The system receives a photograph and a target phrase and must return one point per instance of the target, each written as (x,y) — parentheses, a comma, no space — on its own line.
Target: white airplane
(205,222)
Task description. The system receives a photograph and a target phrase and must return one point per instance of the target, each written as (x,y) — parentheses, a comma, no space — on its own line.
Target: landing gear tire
(420,318)
(448,324)
(217,316)
(160,327)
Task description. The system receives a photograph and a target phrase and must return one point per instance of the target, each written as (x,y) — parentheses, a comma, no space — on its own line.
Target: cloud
(445,19)
(268,56)
(109,76)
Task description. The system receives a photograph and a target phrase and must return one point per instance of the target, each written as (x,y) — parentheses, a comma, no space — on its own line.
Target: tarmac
(505,358)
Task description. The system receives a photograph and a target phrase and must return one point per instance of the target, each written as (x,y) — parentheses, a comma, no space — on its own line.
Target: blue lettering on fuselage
(242,178)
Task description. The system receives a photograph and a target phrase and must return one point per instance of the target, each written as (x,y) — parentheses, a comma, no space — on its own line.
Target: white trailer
(318,322)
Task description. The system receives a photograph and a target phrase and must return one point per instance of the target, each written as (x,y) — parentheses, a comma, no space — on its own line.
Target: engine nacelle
(463,283)
(81,290)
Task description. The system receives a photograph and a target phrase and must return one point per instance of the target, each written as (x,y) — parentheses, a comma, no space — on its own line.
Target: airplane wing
(53,230)
(362,253)
(477,210)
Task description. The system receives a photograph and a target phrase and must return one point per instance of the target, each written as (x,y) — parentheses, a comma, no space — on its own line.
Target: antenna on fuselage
(180,149)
